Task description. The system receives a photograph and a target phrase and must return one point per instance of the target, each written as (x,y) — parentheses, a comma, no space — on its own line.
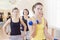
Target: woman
(15,22)
(25,18)
(38,24)
(9,15)
(8,28)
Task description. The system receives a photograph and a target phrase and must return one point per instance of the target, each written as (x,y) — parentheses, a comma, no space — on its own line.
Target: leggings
(16,37)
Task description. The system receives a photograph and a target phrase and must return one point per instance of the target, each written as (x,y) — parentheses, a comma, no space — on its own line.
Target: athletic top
(15,28)
(39,29)
(25,21)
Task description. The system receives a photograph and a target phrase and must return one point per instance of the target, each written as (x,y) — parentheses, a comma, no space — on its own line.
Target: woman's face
(38,10)
(15,13)
(25,12)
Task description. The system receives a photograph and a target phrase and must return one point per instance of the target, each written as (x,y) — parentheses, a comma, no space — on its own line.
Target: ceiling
(21,4)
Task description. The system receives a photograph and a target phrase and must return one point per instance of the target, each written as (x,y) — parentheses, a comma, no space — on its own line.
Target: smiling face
(25,12)
(15,12)
(38,10)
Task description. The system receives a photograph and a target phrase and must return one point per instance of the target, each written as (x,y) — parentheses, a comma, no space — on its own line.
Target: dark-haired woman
(39,24)
(25,18)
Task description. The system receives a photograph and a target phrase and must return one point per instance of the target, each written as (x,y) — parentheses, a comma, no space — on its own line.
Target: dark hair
(15,9)
(34,6)
(9,13)
(26,10)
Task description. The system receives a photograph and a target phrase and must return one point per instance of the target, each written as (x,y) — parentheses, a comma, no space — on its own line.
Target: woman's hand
(33,34)
(23,35)
(4,27)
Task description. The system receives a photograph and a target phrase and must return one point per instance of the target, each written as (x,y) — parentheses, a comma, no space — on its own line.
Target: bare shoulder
(32,18)
(45,21)
(8,20)
(20,17)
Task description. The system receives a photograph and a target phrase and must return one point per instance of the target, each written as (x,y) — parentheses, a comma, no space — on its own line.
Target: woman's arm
(33,27)
(23,25)
(33,30)
(47,35)
(5,25)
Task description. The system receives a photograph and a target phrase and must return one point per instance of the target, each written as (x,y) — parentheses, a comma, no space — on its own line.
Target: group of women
(33,28)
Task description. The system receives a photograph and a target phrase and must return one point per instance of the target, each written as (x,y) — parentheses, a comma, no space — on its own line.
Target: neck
(14,17)
(38,16)
(25,15)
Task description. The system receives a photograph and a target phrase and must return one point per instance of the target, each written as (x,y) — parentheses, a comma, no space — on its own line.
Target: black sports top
(15,28)
(25,21)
